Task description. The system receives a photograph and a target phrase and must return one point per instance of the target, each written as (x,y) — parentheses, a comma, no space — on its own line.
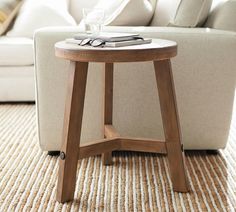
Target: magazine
(108,36)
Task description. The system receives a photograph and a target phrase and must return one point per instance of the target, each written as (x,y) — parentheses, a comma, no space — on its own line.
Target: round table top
(159,49)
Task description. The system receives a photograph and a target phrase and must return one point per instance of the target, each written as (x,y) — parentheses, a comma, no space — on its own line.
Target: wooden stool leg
(171,125)
(107,158)
(108,106)
(71,131)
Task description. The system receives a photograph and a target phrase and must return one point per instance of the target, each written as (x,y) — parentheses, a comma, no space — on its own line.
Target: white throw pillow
(36,14)
(76,8)
(223,16)
(191,13)
(165,11)
(127,12)
(8,11)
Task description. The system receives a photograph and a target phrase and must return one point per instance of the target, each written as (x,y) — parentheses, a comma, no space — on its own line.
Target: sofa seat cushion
(16,51)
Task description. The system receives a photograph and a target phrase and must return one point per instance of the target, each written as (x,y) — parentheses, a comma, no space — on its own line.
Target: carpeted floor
(136,182)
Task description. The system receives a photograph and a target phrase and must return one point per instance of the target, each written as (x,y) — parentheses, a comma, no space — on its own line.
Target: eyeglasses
(92,42)
(97,42)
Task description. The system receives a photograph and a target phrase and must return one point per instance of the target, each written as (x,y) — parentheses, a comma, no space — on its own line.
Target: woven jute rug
(136,182)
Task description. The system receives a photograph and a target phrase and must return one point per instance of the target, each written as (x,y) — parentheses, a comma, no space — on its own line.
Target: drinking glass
(93,20)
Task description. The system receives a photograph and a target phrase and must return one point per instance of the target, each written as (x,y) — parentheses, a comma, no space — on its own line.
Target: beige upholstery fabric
(17,84)
(165,11)
(215,3)
(205,86)
(76,8)
(223,16)
(123,13)
(16,51)
(191,13)
(55,87)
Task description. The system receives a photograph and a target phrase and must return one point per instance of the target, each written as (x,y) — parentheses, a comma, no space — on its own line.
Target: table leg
(170,119)
(108,106)
(71,131)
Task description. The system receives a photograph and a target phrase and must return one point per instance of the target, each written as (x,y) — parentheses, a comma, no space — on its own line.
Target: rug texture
(136,182)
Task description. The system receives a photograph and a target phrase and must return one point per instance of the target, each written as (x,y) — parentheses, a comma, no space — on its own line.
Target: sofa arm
(205,80)
(51,83)
(204,75)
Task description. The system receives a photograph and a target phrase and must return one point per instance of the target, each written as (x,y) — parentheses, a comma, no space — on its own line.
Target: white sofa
(16,44)
(204,74)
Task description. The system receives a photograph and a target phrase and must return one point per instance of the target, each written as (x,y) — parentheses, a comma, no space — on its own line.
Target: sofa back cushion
(8,11)
(215,3)
(168,11)
(191,13)
(223,16)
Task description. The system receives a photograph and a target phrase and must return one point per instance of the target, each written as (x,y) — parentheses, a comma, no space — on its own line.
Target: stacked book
(108,39)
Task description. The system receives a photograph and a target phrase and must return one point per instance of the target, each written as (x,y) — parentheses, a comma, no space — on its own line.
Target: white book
(116,44)
(107,36)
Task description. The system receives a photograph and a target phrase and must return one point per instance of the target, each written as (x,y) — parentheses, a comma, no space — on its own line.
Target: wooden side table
(160,52)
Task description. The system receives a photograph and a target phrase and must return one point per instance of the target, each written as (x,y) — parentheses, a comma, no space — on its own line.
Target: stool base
(72,150)
(108,145)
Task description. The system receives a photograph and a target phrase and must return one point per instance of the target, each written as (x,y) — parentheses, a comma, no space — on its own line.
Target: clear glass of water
(93,20)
